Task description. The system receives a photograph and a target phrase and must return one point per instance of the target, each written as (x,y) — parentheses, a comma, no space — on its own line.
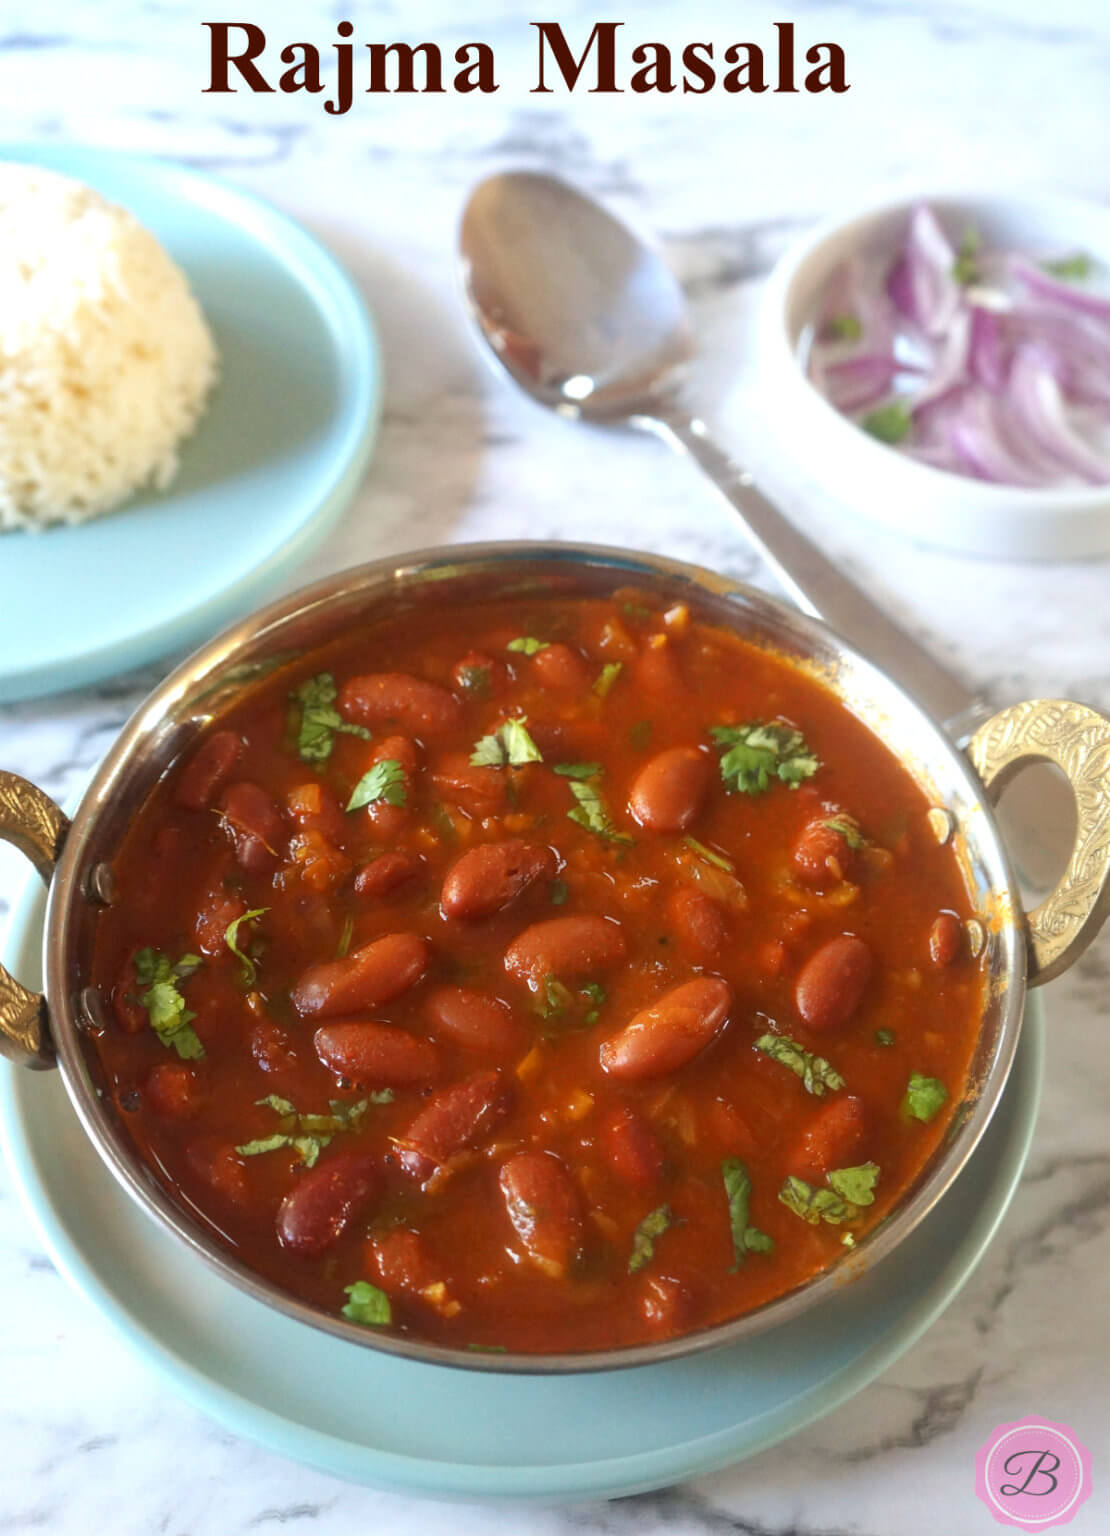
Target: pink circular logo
(1033,1474)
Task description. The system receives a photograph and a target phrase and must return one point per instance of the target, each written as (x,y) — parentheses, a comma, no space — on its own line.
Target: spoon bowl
(582,313)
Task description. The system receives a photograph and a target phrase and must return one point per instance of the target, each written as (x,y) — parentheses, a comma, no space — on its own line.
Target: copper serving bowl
(1021,948)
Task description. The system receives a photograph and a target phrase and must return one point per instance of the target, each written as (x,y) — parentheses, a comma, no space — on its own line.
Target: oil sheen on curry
(539,975)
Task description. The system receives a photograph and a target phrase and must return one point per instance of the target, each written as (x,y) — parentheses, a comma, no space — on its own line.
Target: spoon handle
(815,583)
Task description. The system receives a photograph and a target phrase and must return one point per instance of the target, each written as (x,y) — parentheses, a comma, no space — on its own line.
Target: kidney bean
(489,877)
(770,959)
(656,671)
(566,947)
(376,1053)
(371,976)
(221,1168)
(832,982)
(557,666)
(476,1020)
(272,1047)
(479,676)
(208,769)
(671,1031)
(477,790)
(668,791)
(386,874)
(698,924)
(833,1138)
(544,1207)
(946,939)
(456,1118)
(217,911)
(665,1304)
(631,1147)
(397,749)
(416,705)
(323,1201)
(400,1260)
(822,853)
(253,823)
(173,1090)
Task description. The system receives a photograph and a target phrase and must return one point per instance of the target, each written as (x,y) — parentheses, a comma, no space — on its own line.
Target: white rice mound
(105,357)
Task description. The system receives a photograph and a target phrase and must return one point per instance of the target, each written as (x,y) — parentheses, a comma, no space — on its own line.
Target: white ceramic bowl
(930,505)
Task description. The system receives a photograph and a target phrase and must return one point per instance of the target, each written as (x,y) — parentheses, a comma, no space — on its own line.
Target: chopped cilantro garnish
(607,677)
(654,1224)
(597,995)
(384,781)
(738,1191)
(578,770)
(592,813)
(320,719)
(924,1098)
(475,680)
(510,744)
(709,855)
(527,645)
(639,735)
(248,968)
(816,1205)
(559,892)
(169,1018)
(636,611)
(856,1184)
(555,998)
(851,1189)
(848,827)
(965,269)
(846,327)
(1071,269)
(888,423)
(309,1134)
(367,1305)
(757,754)
(815,1072)
(346,933)
(884,1037)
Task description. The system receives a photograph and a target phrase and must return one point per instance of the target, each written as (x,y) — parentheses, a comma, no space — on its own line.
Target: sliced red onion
(988,357)
(1042,283)
(858,382)
(1007,379)
(920,282)
(979,442)
(1039,410)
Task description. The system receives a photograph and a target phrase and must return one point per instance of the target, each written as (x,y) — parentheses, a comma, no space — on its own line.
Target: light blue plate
(422,1429)
(273,463)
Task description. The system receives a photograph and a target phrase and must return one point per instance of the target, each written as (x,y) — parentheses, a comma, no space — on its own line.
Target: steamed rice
(105,356)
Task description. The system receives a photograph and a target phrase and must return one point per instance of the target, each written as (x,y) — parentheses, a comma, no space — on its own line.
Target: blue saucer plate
(273,463)
(413,1428)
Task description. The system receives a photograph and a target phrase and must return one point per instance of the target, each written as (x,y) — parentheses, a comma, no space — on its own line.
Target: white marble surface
(1000,91)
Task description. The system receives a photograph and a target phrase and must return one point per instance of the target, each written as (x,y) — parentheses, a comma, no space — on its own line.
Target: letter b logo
(1033,1474)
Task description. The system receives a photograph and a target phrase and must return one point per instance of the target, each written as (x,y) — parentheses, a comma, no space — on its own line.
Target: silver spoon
(590,321)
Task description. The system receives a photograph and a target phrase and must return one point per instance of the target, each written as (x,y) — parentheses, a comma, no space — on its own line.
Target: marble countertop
(991,91)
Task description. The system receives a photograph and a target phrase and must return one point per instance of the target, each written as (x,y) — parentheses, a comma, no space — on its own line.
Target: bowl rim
(393,574)
(1056,208)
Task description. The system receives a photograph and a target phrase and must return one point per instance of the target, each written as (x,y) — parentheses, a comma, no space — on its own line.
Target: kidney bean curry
(548,974)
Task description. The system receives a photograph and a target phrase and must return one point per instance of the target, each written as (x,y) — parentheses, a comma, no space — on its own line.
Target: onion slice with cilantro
(974,360)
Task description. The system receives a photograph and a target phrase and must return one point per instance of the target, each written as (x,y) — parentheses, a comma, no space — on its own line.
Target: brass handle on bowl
(1077,739)
(31,822)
